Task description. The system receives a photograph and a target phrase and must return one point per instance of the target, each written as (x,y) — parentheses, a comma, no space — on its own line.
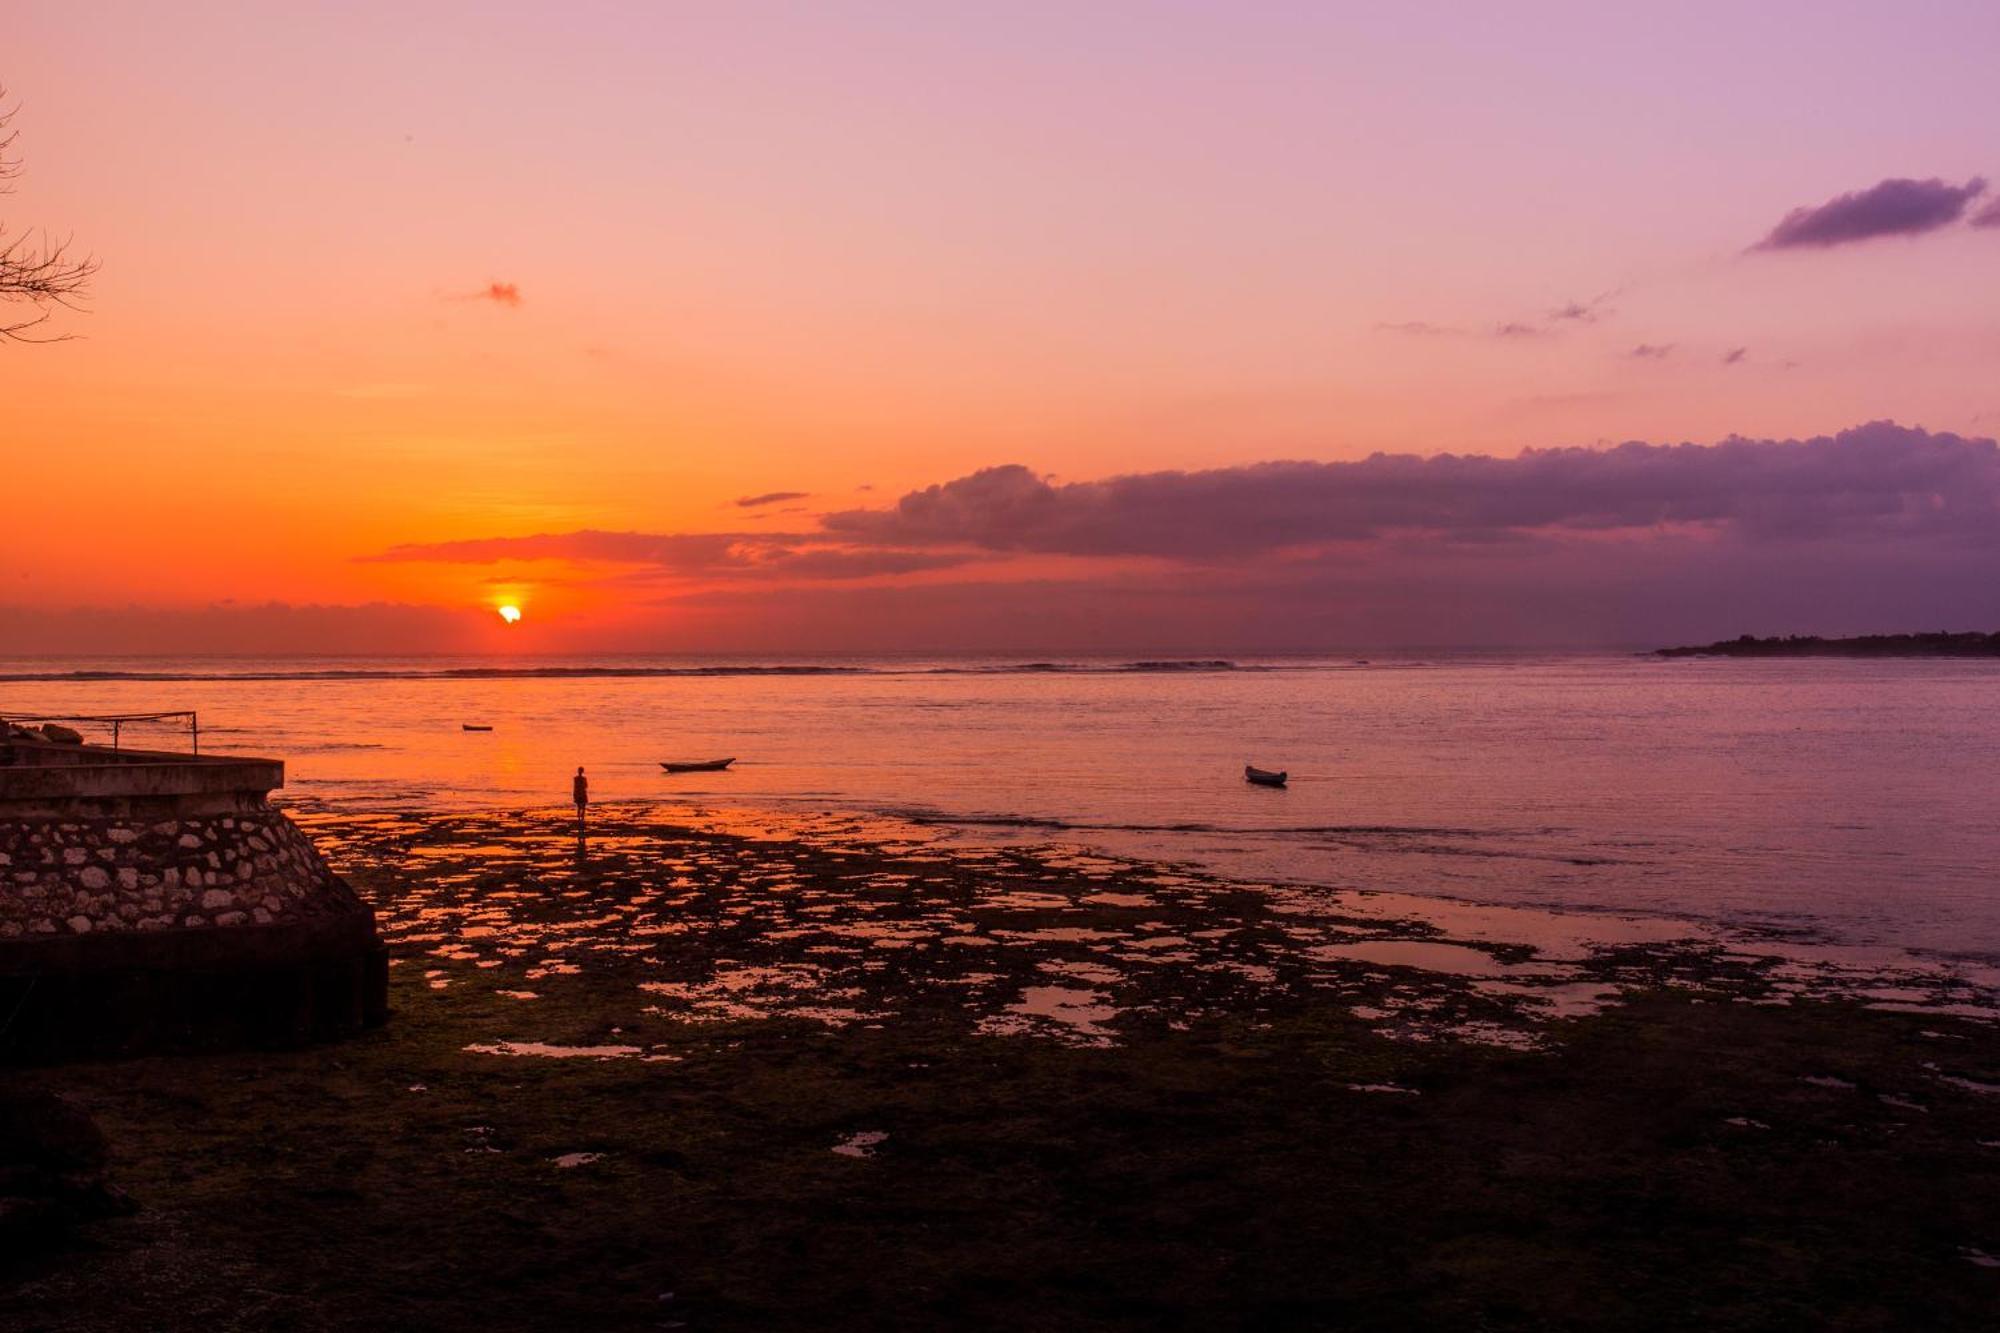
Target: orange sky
(827,248)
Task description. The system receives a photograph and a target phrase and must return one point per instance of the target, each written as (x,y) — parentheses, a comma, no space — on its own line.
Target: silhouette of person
(579,791)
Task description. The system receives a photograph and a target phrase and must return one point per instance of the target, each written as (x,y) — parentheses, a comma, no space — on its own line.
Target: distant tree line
(1939,644)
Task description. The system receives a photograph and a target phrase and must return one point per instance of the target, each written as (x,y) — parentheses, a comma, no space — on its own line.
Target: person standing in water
(579,791)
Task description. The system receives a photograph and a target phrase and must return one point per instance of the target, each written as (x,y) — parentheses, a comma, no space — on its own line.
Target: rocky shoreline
(738,1077)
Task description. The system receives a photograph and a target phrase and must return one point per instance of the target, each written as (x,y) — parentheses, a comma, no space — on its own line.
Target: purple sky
(854,326)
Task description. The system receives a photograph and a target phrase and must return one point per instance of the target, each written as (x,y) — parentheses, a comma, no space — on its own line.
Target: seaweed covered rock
(52,1167)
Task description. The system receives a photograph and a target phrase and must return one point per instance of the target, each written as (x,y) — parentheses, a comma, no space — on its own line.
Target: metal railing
(116,721)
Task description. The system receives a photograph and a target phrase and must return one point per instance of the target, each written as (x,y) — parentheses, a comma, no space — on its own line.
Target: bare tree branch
(42,273)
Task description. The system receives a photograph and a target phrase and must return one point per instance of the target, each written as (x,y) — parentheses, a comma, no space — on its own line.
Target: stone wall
(77,876)
(154,902)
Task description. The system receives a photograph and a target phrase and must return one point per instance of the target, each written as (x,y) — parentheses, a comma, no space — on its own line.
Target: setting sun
(1279,663)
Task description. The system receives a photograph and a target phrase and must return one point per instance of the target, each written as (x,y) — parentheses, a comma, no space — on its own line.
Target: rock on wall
(78,876)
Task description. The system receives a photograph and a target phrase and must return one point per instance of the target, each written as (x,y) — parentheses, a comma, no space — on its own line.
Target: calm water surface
(1851,802)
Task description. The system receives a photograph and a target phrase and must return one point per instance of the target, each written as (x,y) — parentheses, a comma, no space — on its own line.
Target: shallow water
(1843,802)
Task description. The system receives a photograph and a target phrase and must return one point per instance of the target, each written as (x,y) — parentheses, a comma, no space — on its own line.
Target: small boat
(474,726)
(1263,777)
(700,766)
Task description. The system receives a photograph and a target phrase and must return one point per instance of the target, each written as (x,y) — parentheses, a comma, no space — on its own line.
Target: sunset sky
(841,327)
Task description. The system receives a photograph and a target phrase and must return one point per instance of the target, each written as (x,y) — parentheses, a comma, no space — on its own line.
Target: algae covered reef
(834,1077)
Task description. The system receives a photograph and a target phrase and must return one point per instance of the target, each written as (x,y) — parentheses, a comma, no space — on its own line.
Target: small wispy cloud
(769,498)
(1547,325)
(1898,206)
(1653,351)
(1417,328)
(1988,216)
(1734,355)
(1582,312)
(499,293)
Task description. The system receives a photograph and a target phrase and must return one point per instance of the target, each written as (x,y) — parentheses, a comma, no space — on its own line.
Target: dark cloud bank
(1876,482)
(1878,528)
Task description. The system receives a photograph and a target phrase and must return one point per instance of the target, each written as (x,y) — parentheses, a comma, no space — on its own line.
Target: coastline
(853,1080)
(1941,644)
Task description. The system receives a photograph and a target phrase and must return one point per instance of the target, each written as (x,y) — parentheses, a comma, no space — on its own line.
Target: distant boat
(700,766)
(474,726)
(1263,777)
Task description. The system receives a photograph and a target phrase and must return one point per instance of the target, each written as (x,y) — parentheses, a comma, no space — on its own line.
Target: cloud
(271,629)
(1570,312)
(1988,216)
(1582,312)
(769,498)
(1629,594)
(500,293)
(1894,207)
(1734,355)
(1878,480)
(723,555)
(1872,482)
(1879,527)
(1417,328)
(1653,351)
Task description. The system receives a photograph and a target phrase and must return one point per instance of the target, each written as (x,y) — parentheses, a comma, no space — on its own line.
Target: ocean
(1845,803)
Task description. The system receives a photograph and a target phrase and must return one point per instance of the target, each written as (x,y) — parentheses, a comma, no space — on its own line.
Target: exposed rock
(52,1167)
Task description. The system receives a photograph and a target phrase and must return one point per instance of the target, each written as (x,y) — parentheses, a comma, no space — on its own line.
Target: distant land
(1972,644)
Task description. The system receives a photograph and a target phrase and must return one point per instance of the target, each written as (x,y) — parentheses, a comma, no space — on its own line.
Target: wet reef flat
(833,1074)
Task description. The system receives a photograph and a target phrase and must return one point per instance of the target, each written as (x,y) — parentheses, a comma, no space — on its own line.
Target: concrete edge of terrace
(152,901)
